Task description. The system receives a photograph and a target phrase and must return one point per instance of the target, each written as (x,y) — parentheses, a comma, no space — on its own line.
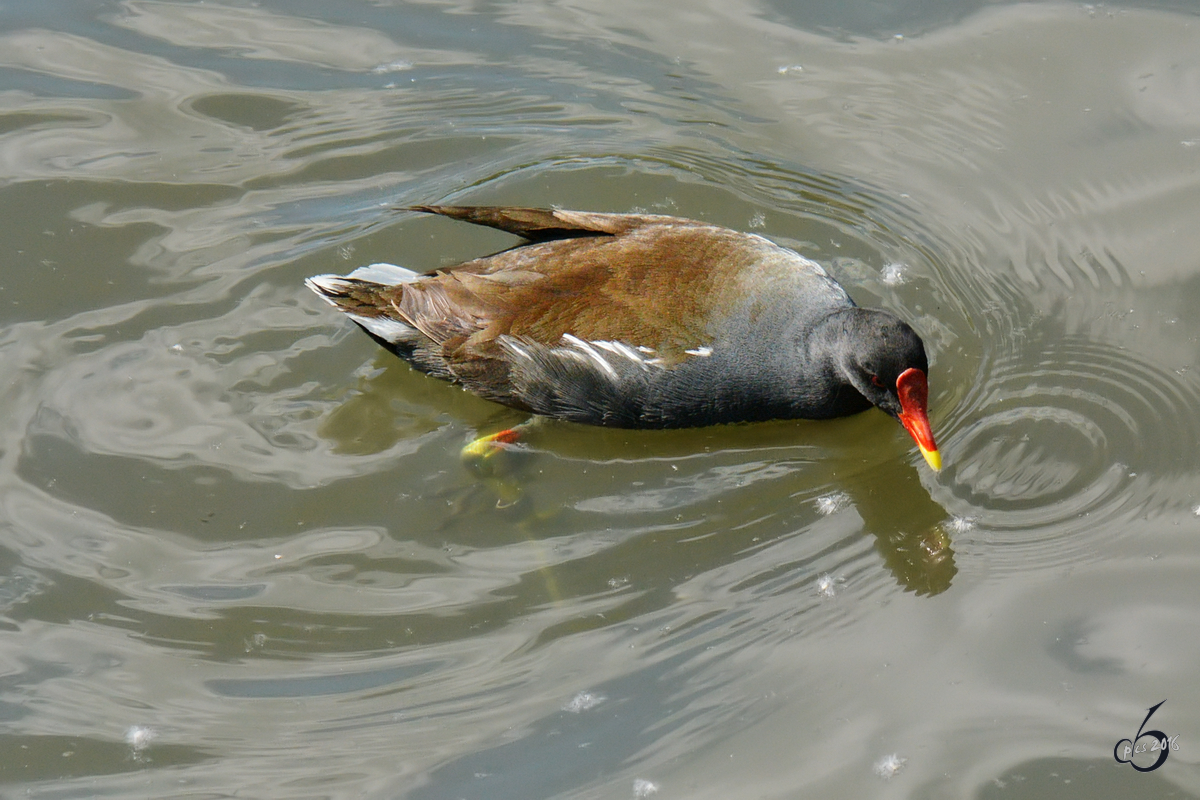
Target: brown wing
(645,280)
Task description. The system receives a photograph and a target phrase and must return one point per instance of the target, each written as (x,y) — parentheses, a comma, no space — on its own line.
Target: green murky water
(240,555)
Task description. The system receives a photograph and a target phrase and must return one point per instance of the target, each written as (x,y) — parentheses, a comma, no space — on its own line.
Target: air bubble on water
(791,69)
(832,503)
(392,66)
(644,788)
(827,584)
(1196,510)
(894,274)
(759,220)
(957,524)
(889,765)
(139,736)
(584,701)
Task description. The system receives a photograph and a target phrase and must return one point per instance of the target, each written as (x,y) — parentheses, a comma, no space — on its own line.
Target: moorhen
(642,321)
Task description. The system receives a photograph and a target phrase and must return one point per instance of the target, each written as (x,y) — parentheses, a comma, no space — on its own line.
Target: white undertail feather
(390,330)
(387,274)
(327,287)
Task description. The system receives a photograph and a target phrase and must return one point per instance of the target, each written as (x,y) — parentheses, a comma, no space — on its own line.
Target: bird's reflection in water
(503,486)
(915,545)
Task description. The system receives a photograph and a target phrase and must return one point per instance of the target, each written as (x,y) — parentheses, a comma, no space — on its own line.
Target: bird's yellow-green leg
(487,446)
(479,456)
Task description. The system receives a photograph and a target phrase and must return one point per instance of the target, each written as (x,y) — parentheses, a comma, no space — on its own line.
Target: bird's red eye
(875,379)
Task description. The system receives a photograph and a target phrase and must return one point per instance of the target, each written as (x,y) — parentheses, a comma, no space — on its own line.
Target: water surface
(241,554)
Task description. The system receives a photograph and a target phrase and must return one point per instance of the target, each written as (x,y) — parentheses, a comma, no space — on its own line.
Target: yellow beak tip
(933,457)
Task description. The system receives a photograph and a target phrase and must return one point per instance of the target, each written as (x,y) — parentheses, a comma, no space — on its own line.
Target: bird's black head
(884,359)
(876,349)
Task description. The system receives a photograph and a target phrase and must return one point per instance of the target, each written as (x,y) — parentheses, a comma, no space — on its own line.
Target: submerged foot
(487,446)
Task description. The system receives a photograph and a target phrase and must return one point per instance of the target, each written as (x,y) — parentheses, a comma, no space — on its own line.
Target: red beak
(913,391)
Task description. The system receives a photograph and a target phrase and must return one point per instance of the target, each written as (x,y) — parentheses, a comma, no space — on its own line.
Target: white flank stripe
(591,353)
(511,344)
(623,350)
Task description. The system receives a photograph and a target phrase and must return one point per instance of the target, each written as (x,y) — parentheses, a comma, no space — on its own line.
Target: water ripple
(1066,432)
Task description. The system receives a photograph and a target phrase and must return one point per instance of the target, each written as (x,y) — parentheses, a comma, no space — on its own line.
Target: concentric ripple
(1071,436)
